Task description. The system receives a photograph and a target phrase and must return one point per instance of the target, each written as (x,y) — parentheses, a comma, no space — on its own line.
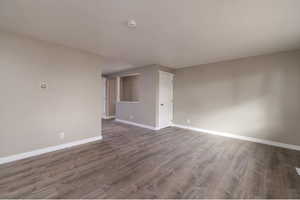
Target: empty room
(144,99)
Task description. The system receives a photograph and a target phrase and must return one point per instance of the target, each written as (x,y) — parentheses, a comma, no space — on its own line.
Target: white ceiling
(174,33)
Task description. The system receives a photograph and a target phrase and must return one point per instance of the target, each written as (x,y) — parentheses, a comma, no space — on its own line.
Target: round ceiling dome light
(131,23)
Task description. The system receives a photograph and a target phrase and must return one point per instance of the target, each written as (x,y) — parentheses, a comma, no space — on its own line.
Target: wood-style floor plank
(132,162)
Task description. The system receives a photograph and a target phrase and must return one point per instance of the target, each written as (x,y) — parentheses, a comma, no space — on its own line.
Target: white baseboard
(46,150)
(108,117)
(137,124)
(251,139)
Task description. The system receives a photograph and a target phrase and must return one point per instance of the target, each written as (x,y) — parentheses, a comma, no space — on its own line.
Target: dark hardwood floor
(132,162)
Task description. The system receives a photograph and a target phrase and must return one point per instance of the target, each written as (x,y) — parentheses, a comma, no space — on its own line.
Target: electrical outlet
(188,121)
(298,171)
(62,135)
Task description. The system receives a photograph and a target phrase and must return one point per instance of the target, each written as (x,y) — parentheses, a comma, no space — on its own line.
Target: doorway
(110,98)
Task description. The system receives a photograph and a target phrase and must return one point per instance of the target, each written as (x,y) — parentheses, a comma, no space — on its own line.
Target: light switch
(44,85)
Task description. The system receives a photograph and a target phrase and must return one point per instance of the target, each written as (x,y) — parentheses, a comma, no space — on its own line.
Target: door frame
(104,97)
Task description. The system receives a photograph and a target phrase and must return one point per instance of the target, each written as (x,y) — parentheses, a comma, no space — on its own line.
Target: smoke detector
(131,23)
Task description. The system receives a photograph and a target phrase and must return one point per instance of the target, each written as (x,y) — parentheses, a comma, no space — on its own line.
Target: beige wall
(145,111)
(257,97)
(31,117)
(142,112)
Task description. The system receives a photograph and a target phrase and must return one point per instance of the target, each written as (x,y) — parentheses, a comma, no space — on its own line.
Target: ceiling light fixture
(131,23)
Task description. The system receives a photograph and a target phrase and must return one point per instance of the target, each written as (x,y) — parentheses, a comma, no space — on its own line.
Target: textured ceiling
(174,33)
